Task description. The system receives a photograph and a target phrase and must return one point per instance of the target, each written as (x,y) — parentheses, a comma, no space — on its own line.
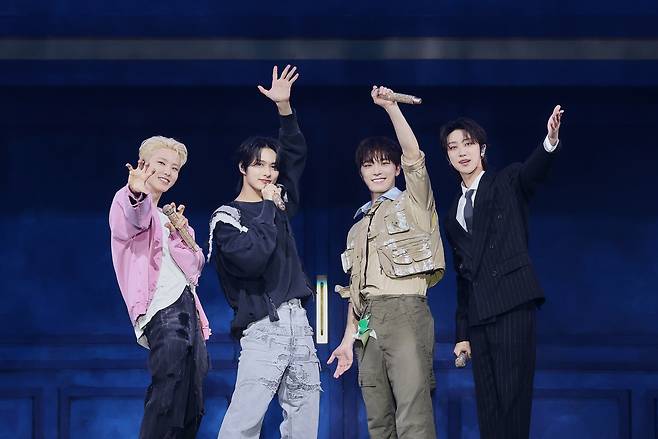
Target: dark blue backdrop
(69,364)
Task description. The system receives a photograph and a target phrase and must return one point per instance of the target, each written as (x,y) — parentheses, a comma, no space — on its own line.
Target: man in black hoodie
(262,277)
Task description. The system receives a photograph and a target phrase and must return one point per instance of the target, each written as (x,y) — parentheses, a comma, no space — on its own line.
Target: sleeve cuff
(289,123)
(413,165)
(548,147)
(135,199)
(462,332)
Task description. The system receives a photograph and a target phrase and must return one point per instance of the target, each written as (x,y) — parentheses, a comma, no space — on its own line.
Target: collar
(390,194)
(474,186)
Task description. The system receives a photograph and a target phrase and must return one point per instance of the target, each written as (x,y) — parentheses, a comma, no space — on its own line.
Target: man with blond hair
(158,272)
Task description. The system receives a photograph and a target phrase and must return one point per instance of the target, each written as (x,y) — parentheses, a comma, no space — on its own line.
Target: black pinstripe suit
(497,293)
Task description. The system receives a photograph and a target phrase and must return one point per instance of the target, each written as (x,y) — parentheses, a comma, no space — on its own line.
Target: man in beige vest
(394,254)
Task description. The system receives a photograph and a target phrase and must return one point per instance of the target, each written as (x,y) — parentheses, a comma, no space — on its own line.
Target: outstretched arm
(130,213)
(535,169)
(292,157)
(419,188)
(403,131)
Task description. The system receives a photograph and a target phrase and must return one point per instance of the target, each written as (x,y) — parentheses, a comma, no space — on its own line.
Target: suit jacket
(493,267)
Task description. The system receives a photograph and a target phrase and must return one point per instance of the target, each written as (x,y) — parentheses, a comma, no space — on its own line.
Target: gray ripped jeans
(276,358)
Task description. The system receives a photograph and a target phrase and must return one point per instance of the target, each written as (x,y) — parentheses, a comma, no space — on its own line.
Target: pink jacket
(136,236)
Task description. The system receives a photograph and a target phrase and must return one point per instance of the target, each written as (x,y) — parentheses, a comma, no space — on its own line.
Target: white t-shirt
(170,286)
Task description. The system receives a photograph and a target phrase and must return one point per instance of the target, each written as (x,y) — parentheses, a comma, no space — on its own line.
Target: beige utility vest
(403,250)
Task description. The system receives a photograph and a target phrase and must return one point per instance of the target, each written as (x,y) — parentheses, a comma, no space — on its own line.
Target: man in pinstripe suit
(497,288)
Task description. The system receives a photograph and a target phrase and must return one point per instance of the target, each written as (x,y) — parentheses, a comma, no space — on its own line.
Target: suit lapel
(482,217)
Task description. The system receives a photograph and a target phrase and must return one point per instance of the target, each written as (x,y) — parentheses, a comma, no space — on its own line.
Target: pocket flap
(396,222)
(409,250)
(514,263)
(346,259)
(367,379)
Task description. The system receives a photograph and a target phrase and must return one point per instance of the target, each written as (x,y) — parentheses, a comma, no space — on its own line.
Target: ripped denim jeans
(276,358)
(178,362)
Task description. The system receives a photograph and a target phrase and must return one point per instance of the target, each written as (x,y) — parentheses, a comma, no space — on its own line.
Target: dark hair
(474,130)
(249,152)
(377,148)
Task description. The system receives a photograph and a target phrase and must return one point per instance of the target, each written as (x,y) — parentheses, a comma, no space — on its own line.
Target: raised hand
(377,94)
(279,91)
(137,177)
(344,354)
(553,124)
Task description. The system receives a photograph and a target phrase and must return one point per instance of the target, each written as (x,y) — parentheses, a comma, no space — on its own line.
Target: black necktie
(468,210)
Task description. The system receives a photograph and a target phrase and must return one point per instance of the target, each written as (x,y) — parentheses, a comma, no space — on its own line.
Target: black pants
(178,362)
(503,369)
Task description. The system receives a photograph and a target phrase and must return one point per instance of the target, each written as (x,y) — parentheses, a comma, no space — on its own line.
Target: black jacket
(493,267)
(256,256)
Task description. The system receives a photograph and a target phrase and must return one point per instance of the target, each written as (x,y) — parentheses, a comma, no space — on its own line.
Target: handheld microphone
(174,219)
(461,360)
(402,98)
(278,200)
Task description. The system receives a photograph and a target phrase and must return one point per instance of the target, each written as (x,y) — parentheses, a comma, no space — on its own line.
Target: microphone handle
(278,201)
(403,98)
(175,220)
(461,360)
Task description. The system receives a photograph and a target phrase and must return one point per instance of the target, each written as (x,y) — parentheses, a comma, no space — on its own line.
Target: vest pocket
(396,222)
(346,259)
(406,256)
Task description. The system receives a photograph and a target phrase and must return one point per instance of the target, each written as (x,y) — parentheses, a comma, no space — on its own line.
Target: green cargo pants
(395,369)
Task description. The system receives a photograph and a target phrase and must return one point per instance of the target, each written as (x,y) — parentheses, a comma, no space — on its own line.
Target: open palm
(137,177)
(280,89)
(344,354)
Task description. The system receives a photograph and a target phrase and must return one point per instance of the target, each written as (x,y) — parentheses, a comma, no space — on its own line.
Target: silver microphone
(402,98)
(175,219)
(461,360)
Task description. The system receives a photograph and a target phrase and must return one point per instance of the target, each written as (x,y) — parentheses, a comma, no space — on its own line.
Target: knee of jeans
(170,359)
(302,380)
(266,372)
